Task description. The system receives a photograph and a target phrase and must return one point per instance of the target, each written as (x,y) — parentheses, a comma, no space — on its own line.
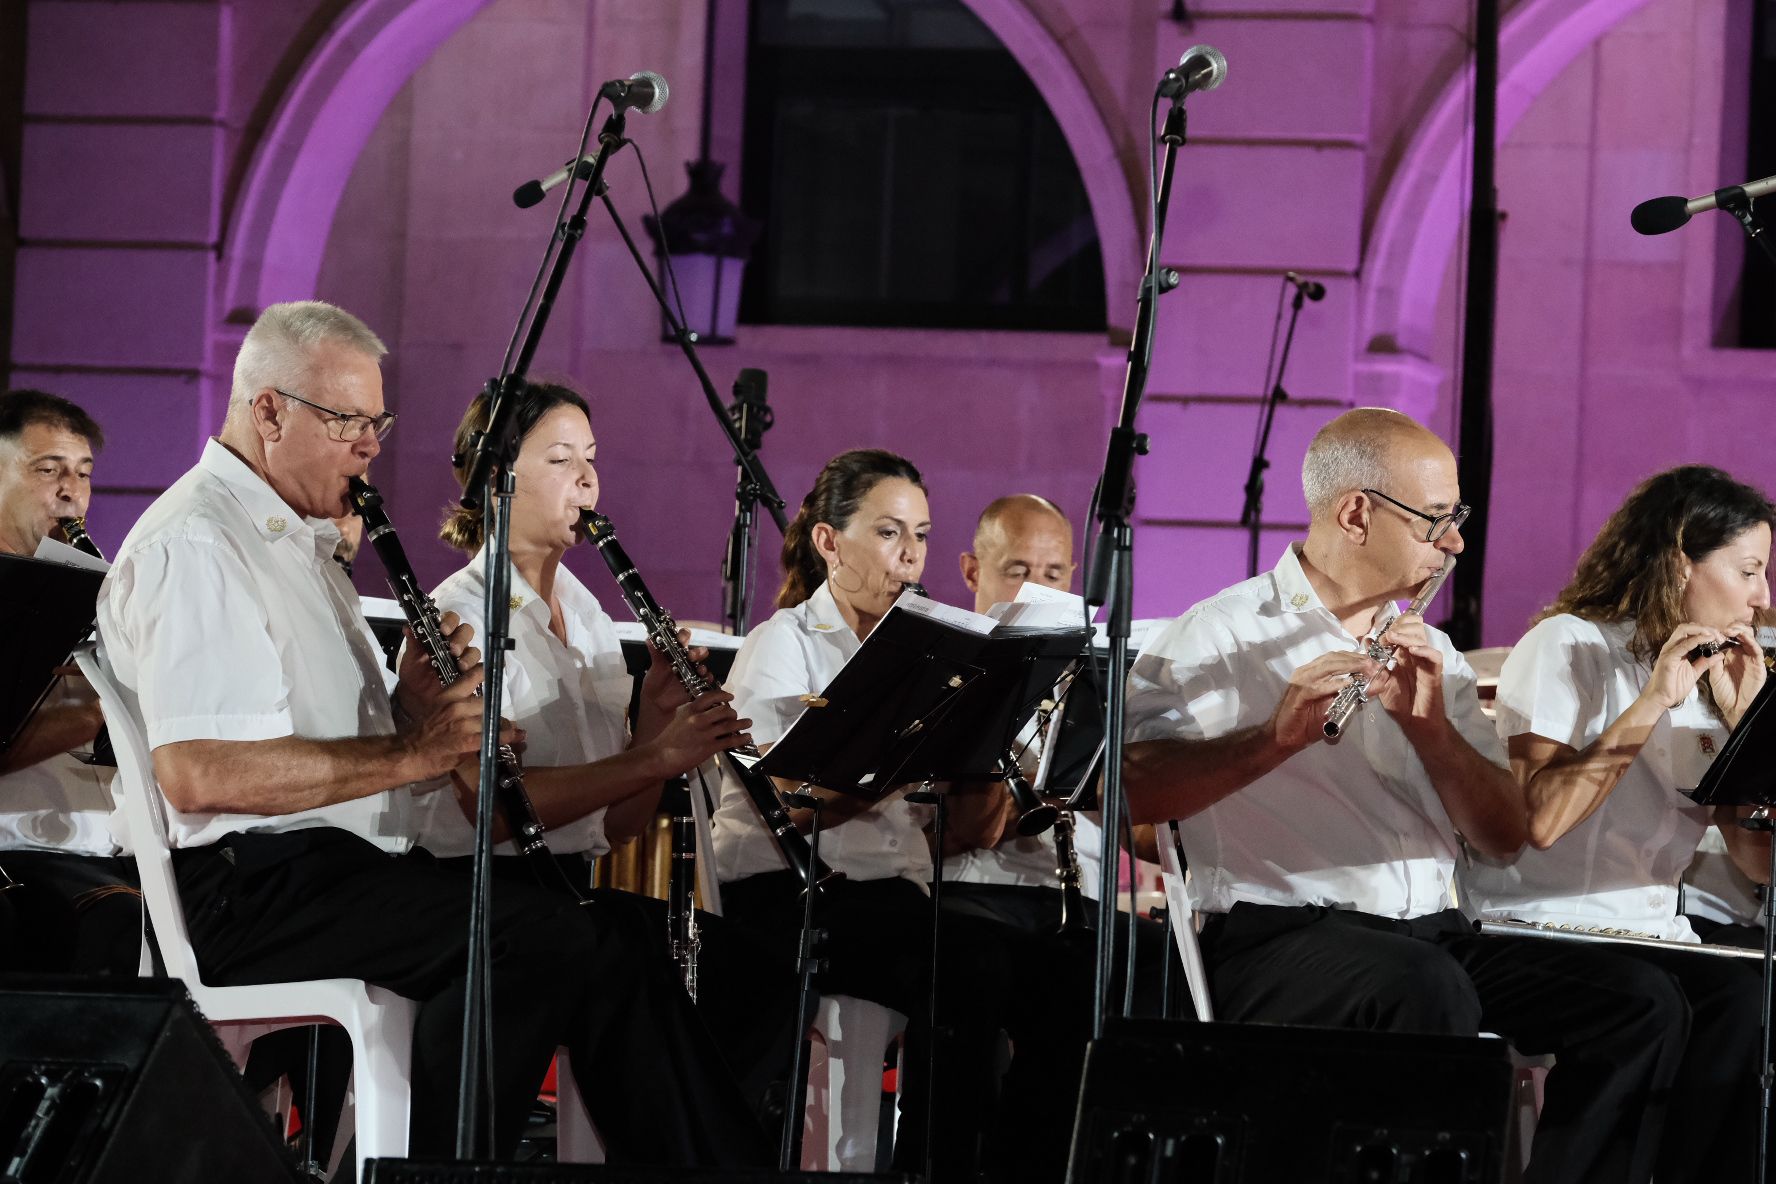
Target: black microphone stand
(1734,202)
(752,469)
(489,487)
(1110,580)
(1252,514)
(753,418)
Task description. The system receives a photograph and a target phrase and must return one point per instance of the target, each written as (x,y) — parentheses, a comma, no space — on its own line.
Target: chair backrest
(136,792)
(1175,875)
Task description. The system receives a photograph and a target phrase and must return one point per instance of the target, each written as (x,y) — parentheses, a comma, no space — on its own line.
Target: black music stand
(52,607)
(925,700)
(1742,776)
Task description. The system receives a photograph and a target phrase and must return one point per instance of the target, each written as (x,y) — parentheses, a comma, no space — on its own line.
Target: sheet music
(56,551)
(949,614)
(1037,606)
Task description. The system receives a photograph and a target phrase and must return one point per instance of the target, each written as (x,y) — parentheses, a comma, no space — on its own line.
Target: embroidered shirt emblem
(276,524)
(1299,600)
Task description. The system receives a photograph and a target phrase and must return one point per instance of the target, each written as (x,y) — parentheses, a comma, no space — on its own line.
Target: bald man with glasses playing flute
(1324,869)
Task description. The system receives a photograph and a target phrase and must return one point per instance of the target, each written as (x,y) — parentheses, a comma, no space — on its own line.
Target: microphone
(1663,214)
(531,192)
(645,91)
(1201,68)
(1312,289)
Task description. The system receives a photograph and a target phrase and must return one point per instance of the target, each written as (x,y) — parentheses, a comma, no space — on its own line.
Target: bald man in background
(1324,870)
(990,870)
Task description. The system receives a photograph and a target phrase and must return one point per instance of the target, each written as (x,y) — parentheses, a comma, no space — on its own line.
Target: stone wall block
(1286,79)
(110,307)
(137,60)
(119,182)
(1266,206)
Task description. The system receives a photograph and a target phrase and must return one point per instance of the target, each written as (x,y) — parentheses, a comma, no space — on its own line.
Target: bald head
(1018,538)
(1364,448)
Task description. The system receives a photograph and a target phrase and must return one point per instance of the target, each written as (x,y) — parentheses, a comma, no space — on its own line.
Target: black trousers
(991,979)
(1617,1026)
(74,913)
(324,903)
(1036,912)
(746,994)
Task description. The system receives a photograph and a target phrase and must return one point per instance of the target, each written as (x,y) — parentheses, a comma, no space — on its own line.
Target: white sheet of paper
(961,618)
(56,551)
(1037,606)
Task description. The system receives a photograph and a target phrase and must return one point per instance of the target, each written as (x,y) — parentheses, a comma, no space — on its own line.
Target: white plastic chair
(379,1022)
(842,1123)
(1176,879)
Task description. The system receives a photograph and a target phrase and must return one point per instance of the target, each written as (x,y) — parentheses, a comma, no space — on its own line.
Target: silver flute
(1355,693)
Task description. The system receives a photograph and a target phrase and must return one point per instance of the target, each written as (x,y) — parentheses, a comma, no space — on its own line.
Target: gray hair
(1352,452)
(275,352)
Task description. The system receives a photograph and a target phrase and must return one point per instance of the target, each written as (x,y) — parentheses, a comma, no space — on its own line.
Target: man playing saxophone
(1325,870)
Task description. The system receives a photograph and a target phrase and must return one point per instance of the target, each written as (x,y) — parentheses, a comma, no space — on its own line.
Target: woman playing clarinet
(592,781)
(1613,705)
(858,540)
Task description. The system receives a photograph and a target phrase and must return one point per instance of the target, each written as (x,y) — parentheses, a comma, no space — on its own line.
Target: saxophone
(428,631)
(1355,693)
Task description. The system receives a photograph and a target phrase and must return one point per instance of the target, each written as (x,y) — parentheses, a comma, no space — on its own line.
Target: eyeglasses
(344,426)
(1440,524)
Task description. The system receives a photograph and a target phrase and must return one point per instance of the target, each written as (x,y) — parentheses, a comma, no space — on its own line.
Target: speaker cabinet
(1186,1103)
(120,1081)
(407,1171)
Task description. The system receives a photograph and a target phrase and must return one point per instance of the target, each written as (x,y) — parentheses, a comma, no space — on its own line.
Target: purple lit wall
(187,163)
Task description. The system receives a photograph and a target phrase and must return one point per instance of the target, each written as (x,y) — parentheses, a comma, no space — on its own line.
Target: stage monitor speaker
(120,1081)
(1167,1102)
(410,1171)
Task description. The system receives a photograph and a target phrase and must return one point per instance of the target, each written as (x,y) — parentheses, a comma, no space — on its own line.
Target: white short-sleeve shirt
(1568,680)
(225,618)
(798,652)
(1356,825)
(572,700)
(60,804)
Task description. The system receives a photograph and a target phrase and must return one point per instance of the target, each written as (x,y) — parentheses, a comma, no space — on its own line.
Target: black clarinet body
(662,631)
(428,630)
(74,530)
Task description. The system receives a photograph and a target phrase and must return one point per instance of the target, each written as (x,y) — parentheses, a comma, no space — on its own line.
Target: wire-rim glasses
(345,426)
(1440,524)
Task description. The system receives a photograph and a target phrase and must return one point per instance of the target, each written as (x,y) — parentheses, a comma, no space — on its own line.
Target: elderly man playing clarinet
(1325,869)
(289,773)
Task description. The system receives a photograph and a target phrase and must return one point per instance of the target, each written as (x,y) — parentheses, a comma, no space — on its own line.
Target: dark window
(907,173)
(1757,289)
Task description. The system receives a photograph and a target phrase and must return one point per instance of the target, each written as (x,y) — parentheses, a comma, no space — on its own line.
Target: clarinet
(74,530)
(1072,881)
(428,630)
(662,631)
(1355,693)
(683,943)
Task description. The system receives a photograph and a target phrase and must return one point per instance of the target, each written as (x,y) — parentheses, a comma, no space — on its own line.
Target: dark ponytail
(841,487)
(462,528)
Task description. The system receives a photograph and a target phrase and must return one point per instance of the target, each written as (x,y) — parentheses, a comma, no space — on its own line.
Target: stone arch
(273,247)
(1422,213)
